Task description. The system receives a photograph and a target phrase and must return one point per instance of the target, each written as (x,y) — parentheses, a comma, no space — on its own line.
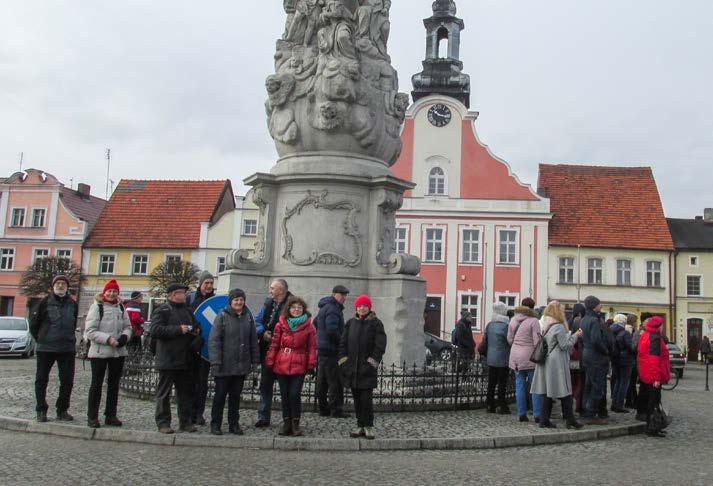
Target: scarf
(113,302)
(293,322)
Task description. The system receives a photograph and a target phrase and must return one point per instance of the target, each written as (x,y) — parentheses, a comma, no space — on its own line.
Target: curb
(316,443)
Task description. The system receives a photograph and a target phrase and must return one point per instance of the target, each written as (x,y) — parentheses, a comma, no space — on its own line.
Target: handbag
(659,419)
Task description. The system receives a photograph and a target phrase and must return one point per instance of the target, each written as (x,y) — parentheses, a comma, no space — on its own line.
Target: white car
(15,337)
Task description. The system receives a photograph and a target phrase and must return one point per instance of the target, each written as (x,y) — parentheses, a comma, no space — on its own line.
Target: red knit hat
(111,284)
(363,299)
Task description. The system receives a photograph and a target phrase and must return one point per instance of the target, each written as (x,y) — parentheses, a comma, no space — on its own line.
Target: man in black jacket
(52,324)
(200,368)
(265,322)
(177,336)
(330,326)
(596,356)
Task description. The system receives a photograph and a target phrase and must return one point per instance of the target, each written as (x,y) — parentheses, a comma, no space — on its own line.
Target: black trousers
(230,387)
(330,394)
(65,365)
(631,394)
(184,388)
(99,370)
(291,395)
(567,408)
(497,377)
(649,399)
(364,406)
(201,369)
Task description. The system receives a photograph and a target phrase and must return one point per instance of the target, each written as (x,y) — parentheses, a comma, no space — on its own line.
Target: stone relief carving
(333,76)
(242,258)
(386,255)
(317,256)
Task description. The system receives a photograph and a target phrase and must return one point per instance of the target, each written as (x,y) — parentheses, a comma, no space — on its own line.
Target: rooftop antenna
(22,156)
(71,182)
(108,165)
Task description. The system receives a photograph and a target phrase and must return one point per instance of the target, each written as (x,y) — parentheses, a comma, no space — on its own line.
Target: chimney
(708,215)
(83,190)
(699,218)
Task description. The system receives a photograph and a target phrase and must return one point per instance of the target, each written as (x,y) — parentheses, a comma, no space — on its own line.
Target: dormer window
(437,182)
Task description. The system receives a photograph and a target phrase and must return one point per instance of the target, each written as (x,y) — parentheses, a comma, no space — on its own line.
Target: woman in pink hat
(361,348)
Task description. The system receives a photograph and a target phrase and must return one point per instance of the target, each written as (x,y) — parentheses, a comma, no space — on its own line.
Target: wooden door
(432,316)
(694,335)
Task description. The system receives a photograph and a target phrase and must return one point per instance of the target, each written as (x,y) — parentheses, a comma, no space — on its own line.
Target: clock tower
(442,69)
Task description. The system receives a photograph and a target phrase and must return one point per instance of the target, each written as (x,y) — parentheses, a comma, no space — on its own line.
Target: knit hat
(363,299)
(205,275)
(654,322)
(136,294)
(620,319)
(591,302)
(111,284)
(500,309)
(236,294)
(60,277)
(175,286)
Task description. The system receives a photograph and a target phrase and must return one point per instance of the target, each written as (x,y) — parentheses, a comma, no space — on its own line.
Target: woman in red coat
(654,369)
(292,354)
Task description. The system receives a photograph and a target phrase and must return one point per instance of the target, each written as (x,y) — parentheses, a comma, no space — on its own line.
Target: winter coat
(624,355)
(596,341)
(195,299)
(53,322)
(293,352)
(553,378)
(463,339)
(363,338)
(114,323)
(174,350)
(330,326)
(232,345)
(653,360)
(497,348)
(266,320)
(578,312)
(705,346)
(133,309)
(523,343)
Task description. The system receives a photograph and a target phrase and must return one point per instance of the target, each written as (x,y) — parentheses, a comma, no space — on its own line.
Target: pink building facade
(39,217)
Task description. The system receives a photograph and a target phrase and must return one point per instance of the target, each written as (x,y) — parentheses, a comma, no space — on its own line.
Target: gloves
(123,339)
(373,363)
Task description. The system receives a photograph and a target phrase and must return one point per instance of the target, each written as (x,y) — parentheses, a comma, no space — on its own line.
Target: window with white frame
(173,262)
(693,285)
(623,273)
(64,253)
(38,218)
(437,182)
(470,245)
(693,261)
(566,270)
(401,239)
(509,300)
(40,253)
(7,258)
(140,265)
(250,227)
(507,246)
(106,264)
(220,264)
(18,217)
(434,245)
(653,274)
(594,271)
(471,303)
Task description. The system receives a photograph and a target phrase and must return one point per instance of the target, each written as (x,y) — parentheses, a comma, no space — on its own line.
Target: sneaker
(369,433)
(93,423)
(262,423)
(523,418)
(358,432)
(166,430)
(113,421)
(64,417)
(42,416)
(190,428)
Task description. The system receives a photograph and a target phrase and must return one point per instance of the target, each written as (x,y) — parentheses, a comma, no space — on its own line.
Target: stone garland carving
(386,255)
(241,258)
(334,88)
(351,230)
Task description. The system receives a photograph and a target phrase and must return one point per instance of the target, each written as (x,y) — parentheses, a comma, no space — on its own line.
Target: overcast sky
(176,88)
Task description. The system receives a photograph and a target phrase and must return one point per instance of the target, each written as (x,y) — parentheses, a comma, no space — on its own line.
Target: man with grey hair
(265,322)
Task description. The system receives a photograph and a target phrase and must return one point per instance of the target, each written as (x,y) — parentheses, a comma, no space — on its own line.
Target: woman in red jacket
(292,353)
(654,369)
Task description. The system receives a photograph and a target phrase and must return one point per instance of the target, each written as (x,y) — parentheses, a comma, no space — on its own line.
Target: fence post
(457,366)
(707,363)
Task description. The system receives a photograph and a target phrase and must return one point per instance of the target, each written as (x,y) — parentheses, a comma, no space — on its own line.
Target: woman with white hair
(497,351)
(622,361)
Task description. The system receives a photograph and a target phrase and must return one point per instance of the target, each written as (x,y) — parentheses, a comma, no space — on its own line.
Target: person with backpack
(52,324)
(200,367)
(330,326)
(654,370)
(622,362)
(108,330)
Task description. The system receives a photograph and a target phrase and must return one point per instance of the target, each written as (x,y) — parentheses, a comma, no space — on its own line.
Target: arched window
(443,43)
(437,181)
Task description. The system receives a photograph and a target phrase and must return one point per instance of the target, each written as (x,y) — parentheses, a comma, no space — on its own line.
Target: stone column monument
(327,208)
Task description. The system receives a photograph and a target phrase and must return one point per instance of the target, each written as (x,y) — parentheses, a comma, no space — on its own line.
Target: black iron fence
(441,385)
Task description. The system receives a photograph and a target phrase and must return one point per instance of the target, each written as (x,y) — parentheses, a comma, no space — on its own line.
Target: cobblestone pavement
(685,457)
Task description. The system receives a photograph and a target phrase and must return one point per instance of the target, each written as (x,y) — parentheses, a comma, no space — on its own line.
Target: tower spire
(442,68)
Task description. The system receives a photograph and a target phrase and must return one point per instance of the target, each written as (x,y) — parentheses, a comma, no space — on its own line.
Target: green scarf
(293,322)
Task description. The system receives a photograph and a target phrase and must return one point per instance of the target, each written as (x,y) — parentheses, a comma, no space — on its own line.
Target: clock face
(439,115)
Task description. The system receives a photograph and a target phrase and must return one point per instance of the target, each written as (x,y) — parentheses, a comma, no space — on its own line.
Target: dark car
(438,348)
(678,360)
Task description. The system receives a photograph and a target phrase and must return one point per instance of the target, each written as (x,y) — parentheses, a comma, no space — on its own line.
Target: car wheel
(446,354)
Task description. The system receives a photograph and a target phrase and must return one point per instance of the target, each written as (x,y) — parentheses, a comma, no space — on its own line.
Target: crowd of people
(283,339)
(580,354)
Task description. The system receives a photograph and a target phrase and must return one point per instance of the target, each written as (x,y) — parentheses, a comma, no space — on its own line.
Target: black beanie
(235,294)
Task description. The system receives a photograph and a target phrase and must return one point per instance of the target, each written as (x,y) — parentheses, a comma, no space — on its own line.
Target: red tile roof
(157,214)
(604,207)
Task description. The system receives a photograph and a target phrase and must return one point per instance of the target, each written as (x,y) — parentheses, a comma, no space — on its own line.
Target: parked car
(438,348)
(15,337)
(678,359)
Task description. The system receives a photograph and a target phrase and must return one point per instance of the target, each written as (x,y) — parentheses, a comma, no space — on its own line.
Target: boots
(296,431)
(568,412)
(286,428)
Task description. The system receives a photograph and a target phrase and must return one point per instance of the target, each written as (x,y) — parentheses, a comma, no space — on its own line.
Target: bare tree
(185,273)
(37,279)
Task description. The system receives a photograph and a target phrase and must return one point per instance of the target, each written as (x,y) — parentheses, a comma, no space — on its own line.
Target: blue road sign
(206,314)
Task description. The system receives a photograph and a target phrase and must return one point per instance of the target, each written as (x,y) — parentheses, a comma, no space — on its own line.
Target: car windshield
(673,347)
(13,325)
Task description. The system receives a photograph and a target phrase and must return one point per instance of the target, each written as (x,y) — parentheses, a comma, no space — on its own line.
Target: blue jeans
(621,375)
(523,380)
(267,380)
